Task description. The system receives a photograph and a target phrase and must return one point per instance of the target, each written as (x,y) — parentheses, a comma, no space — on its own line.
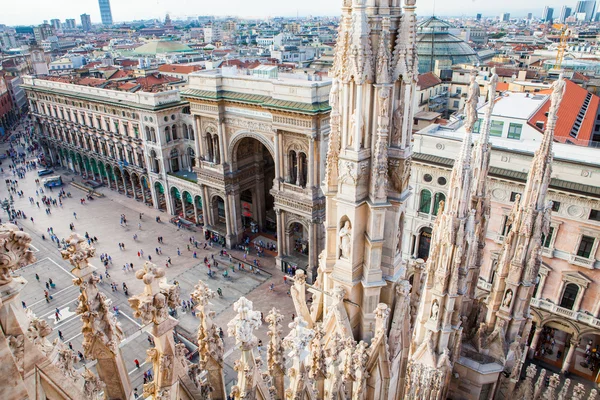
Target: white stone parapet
(141,98)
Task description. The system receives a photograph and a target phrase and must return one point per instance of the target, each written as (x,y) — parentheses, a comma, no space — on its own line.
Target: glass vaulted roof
(435,42)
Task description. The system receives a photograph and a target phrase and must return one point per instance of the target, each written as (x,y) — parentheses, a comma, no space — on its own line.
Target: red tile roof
(568,111)
(427,80)
(179,69)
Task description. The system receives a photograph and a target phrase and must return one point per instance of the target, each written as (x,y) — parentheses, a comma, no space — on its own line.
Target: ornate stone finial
(209,341)
(92,385)
(37,332)
(299,337)
(242,325)
(16,253)
(564,391)
(382,312)
(275,355)
(539,384)
(578,392)
(78,251)
(550,393)
(593,394)
(153,305)
(66,361)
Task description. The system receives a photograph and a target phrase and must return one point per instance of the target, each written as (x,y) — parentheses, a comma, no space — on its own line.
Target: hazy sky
(32,12)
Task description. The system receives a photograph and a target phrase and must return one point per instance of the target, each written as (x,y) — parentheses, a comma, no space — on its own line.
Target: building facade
(134,143)
(105,12)
(565,306)
(261,158)
(86,22)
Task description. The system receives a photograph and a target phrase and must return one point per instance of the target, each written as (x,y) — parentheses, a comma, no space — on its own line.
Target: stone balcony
(565,312)
(581,261)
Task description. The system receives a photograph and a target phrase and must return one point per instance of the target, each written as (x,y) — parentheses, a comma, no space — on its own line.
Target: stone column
(299,171)
(535,341)
(313,262)
(101,331)
(276,160)
(275,353)
(198,140)
(183,210)
(228,222)
(311,164)
(208,217)
(280,251)
(568,361)
(195,209)
(132,187)
(221,142)
(216,149)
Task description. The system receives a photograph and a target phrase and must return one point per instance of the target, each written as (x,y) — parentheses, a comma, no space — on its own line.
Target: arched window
(174,160)
(191,130)
(209,147)
(569,296)
(153,133)
(148,135)
(191,156)
(293,166)
(154,162)
(174,132)
(167,134)
(425,201)
(436,202)
(185,132)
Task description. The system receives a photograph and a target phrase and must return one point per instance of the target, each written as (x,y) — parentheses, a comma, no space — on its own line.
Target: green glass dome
(435,42)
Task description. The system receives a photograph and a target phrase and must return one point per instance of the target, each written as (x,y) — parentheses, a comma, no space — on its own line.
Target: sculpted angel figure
(346,240)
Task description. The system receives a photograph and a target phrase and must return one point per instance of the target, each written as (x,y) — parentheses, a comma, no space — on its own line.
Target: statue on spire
(471,103)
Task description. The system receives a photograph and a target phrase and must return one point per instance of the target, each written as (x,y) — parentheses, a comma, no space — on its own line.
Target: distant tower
(105,12)
(168,21)
(86,22)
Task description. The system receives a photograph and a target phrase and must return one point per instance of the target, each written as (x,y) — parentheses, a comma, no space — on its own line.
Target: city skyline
(142,10)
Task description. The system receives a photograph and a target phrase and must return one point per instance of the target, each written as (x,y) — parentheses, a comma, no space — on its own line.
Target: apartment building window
(506,226)
(477,126)
(136,131)
(496,128)
(456,103)
(425,201)
(98,123)
(547,240)
(585,246)
(555,206)
(116,123)
(569,296)
(514,131)
(595,215)
(106,124)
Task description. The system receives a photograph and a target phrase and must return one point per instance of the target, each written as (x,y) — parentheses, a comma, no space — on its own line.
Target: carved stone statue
(92,385)
(346,240)
(15,251)
(471,103)
(435,309)
(507,298)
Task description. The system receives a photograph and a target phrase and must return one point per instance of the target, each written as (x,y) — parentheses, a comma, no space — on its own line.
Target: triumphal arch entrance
(261,153)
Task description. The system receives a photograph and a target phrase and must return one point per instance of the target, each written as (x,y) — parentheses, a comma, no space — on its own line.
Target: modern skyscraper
(505,17)
(478,17)
(105,12)
(565,13)
(86,22)
(70,23)
(588,7)
(548,14)
(529,16)
(55,23)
